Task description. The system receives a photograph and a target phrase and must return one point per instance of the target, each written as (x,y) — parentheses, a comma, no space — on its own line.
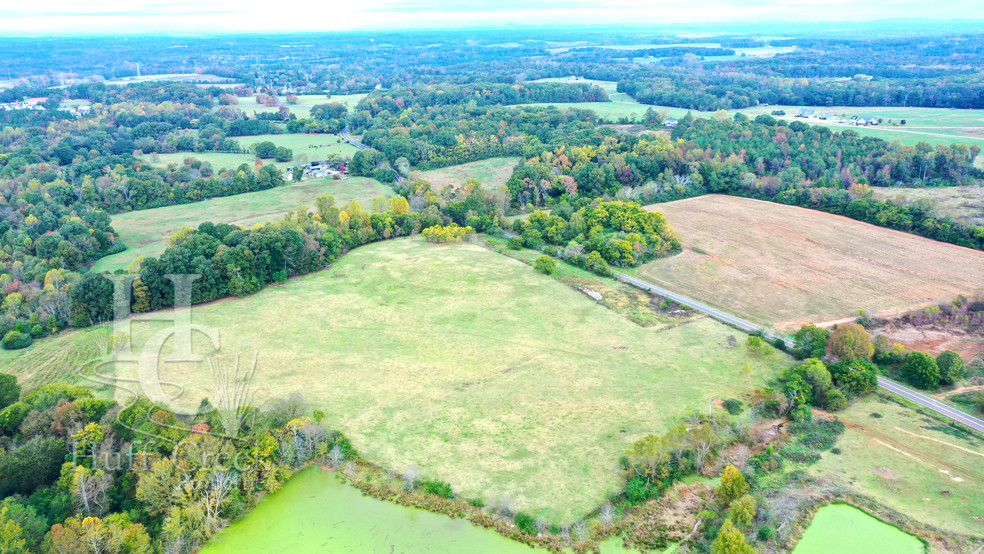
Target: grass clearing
(492,173)
(314,146)
(917,465)
(964,203)
(783,265)
(473,367)
(304,103)
(145,232)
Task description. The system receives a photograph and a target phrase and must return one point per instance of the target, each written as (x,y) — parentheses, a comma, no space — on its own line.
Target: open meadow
(932,125)
(964,204)
(930,471)
(492,173)
(784,266)
(304,103)
(145,232)
(312,146)
(468,364)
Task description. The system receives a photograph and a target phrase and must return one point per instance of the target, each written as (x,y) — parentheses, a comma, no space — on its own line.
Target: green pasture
(918,465)
(471,366)
(145,232)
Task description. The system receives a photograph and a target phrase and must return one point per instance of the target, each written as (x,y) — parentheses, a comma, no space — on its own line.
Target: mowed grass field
(492,173)
(783,265)
(314,146)
(145,232)
(932,125)
(473,367)
(917,465)
(304,103)
(965,203)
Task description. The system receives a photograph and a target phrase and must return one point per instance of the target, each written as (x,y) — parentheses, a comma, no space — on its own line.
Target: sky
(196,16)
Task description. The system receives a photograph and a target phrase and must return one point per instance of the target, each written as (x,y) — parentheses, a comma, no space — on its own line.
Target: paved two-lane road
(887,384)
(931,403)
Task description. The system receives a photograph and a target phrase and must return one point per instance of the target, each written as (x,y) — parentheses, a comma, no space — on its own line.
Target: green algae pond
(315,512)
(847,530)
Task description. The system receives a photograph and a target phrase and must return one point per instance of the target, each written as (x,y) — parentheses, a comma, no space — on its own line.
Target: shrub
(515,243)
(836,401)
(526,523)
(639,490)
(734,407)
(15,340)
(440,488)
(545,265)
(766,532)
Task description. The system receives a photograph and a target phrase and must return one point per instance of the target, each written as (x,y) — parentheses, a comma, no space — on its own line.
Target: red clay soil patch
(934,340)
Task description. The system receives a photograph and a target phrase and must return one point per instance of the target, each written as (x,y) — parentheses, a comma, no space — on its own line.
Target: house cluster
(812,114)
(320,169)
(77,111)
(36,104)
(859,120)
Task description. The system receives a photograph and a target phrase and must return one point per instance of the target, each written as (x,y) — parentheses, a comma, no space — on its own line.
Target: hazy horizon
(64,17)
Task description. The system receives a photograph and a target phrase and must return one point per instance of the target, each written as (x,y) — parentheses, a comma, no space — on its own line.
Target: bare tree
(607,514)
(579,531)
(540,524)
(410,476)
(336,457)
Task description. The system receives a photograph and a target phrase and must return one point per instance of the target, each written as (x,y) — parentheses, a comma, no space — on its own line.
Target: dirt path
(943,395)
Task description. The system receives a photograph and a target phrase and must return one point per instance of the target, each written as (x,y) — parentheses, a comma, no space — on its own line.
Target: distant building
(670,122)
(804,112)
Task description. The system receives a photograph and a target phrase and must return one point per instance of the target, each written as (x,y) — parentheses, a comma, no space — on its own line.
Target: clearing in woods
(784,265)
(920,466)
(470,365)
(492,173)
(964,204)
(312,146)
(145,232)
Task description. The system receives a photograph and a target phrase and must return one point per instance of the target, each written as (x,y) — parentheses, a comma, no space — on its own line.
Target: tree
(9,390)
(545,264)
(733,485)
(265,149)
(12,540)
(950,363)
(810,342)
(921,371)
(850,342)
(730,540)
(836,401)
(743,511)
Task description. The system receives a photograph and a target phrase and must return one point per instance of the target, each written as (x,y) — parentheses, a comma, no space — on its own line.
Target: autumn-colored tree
(730,540)
(850,342)
(12,540)
(733,485)
(743,511)
(141,296)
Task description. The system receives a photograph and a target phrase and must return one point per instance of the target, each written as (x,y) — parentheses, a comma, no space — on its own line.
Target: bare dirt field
(784,265)
(934,340)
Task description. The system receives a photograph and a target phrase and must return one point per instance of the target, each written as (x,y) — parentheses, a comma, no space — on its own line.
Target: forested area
(82,474)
